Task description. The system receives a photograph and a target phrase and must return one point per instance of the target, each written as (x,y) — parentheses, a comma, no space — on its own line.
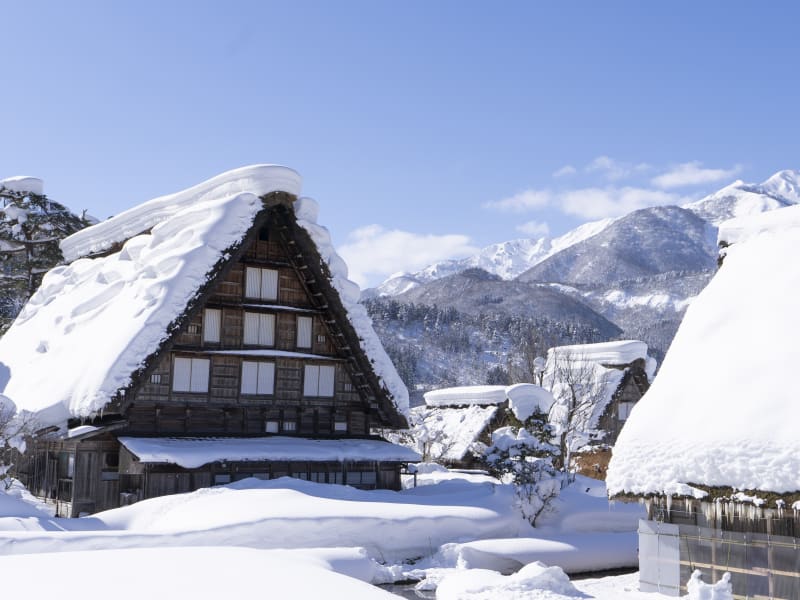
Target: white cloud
(372,253)
(535,229)
(597,203)
(692,173)
(611,169)
(521,202)
(614,170)
(565,171)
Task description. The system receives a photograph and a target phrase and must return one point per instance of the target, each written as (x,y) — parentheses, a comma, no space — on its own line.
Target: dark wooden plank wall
(157,409)
(169,479)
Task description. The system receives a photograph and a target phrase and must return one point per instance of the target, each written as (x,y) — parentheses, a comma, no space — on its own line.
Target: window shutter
(249,377)
(199,380)
(266,330)
(326,381)
(266,378)
(304,332)
(253,282)
(269,284)
(212,320)
(311,381)
(182,375)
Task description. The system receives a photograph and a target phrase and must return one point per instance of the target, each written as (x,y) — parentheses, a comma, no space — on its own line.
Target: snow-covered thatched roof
(92,324)
(723,410)
(618,353)
(523,398)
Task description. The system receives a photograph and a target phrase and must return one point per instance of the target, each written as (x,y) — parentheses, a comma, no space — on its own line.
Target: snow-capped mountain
(643,243)
(637,273)
(510,259)
(506,259)
(740,199)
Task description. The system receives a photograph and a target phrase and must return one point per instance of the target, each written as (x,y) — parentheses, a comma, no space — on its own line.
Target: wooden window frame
(259,364)
(262,317)
(251,273)
(207,312)
(193,363)
(304,319)
(308,378)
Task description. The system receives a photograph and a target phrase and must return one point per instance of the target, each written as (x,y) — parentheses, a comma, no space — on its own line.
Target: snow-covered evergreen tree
(524,456)
(31,226)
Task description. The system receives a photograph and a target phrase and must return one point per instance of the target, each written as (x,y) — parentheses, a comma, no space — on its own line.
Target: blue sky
(424,129)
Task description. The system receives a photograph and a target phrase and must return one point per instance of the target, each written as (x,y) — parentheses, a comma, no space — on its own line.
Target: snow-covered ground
(329,537)
(456,533)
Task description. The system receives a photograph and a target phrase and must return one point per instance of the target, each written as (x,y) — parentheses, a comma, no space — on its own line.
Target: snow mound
(306,211)
(721,412)
(573,552)
(722,590)
(22,184)
(257,179)
(483,584)
(524,399)
(173,573)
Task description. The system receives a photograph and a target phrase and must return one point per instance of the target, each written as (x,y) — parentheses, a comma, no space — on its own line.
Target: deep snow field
(458,534)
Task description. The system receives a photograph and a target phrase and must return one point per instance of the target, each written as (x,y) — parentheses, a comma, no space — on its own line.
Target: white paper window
(289,425)
(304,332)
(258,377)
(261,284)
(318,381)
(259,329)
(340,426)
(272,427)
(190,375)
(212,323)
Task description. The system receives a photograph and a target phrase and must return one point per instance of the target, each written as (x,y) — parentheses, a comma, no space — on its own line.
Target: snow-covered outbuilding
(595,387)
(713,447)
(199,338)
(454,422)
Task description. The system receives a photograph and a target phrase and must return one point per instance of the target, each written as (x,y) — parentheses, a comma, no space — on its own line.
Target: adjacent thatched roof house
(201,337)
(601,383)
(455,422)
(713,446)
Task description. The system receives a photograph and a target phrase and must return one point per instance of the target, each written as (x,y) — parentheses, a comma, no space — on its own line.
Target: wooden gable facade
(265,349)
(633,385)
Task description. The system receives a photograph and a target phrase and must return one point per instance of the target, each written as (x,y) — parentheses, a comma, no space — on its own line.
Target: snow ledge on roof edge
(256,179)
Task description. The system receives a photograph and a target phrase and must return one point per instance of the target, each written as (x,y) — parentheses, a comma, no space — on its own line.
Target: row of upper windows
(259,328)
(257,378)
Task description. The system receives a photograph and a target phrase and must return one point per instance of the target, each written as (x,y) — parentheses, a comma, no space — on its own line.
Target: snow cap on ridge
(721,412)
(22,184)
(256,179)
